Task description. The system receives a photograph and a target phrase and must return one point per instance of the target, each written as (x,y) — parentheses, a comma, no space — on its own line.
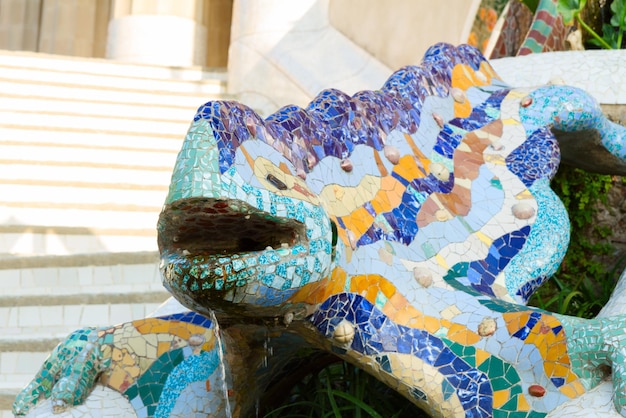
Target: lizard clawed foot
(68,374)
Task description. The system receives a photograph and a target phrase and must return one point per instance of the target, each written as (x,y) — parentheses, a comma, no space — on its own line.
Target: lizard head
(241,229)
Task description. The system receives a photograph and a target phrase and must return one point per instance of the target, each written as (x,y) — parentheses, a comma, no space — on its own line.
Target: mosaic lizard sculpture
(401,229)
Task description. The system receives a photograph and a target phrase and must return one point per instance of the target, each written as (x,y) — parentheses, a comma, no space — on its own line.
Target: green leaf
(335,409)
(569,9)
(568,299)
(357,402)
(609,34)
(312,406)
(618,7)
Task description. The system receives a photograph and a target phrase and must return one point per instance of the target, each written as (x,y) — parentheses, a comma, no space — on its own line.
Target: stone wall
(613,214)
(398,33)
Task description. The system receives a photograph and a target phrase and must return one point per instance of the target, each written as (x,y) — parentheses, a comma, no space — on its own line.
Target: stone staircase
(86,152)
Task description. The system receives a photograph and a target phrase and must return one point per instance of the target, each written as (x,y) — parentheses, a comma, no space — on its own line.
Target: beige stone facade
(398,32)
(197,32)
(152,31)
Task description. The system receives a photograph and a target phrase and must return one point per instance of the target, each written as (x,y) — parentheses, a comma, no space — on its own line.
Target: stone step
(77,274)
(85,106)
(74,195)
(211,84)
(65,199)
(147,98)
(84,176)
(34,321)
(24,324)
(67,155)
(98,66)
(46,218)
(68,192)
(38,241)
(102,123)
(40,135)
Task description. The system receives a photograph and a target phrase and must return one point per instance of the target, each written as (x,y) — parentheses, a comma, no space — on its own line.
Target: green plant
(342,390)
(583,283)
(612,33)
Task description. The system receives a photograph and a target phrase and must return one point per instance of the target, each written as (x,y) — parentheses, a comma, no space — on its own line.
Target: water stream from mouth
(222,365)
(268,351)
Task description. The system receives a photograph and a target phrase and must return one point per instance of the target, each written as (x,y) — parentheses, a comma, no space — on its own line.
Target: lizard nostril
(276,182)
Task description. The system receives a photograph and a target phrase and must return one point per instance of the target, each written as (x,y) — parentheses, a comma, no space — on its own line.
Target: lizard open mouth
(216,251)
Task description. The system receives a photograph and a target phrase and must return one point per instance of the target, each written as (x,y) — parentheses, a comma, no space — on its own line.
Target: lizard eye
(275,181)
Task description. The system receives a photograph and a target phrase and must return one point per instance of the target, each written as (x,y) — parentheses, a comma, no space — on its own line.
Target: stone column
(101,27)
(68,27)
(19,24)
(218,18)
(65,27)
(162,32)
